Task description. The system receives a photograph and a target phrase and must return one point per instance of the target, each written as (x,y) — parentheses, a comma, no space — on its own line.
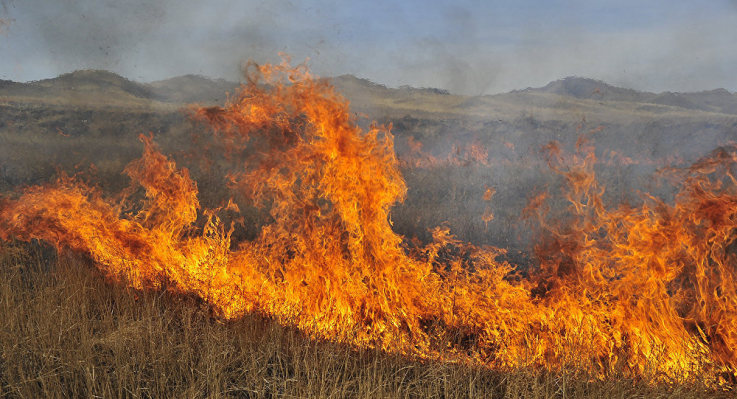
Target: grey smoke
(468,47)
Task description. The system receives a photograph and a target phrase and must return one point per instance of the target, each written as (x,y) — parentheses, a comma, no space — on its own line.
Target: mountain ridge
(714,100)
(101,84)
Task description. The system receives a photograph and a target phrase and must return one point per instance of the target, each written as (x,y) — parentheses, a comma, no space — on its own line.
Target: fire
(488,214)
(648,290)
(463,155)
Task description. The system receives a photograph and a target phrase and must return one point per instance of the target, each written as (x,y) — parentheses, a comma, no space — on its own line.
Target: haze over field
(451,146)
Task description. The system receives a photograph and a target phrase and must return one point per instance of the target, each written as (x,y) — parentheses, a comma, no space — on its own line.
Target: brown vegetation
(68,333)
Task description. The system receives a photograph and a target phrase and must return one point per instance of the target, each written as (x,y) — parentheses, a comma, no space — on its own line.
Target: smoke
(5,20)
(49,38)
(451,61)
(146,40)
(652,49)
(467,47)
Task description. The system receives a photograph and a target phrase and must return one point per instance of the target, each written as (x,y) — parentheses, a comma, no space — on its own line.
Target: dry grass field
(66,332)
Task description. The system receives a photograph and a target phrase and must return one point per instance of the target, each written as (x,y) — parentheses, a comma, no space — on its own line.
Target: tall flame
(648,290)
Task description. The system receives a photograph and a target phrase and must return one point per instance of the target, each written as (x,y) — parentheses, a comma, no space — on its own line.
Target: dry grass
(68,333)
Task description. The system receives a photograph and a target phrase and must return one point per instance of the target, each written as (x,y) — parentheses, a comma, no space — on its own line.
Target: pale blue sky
(469,47)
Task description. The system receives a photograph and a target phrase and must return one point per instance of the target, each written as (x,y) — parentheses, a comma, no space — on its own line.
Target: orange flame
(644,290)
(463,155)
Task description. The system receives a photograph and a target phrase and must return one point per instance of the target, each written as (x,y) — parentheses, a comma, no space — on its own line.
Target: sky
(467,47)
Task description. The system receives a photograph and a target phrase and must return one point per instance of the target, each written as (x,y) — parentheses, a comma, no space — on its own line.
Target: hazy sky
(469,47)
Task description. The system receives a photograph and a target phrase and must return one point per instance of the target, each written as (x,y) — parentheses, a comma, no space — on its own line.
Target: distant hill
(351,83)
(95,80)
(719,100)
(80,88)
(591,89)
(104,88)
(192,89)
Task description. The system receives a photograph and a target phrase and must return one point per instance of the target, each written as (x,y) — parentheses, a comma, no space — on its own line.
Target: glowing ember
(647,290)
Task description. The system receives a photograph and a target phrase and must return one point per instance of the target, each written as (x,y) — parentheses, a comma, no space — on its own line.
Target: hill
(718,100)
(192,89)
(104,88)
(97,88)
(590,89)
